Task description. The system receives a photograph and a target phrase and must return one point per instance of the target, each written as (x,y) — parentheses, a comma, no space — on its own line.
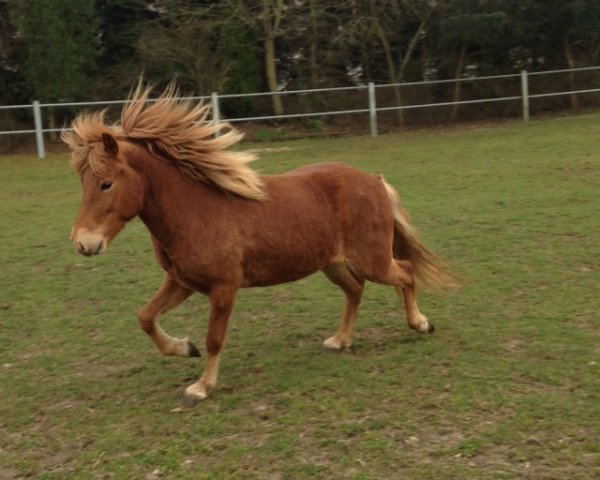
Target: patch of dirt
(514,345)
(7,473)
(64,405)
(96,367)
(43,457)
(281,297)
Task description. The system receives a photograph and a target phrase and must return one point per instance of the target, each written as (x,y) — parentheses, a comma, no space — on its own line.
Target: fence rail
(370,102)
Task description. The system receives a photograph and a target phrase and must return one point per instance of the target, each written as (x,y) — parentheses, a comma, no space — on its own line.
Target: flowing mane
(174,129)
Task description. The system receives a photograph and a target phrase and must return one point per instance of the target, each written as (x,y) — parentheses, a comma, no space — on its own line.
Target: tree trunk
(269,31)
(457,85)
(571,64)
(53,136)
(594,52)
(407,56)
(312,54)
(389,61)
(271,72)
(412,45)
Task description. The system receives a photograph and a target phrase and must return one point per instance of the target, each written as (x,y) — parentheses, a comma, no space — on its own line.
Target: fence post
(214,100)
(372,110)
(39,133)
(525,95)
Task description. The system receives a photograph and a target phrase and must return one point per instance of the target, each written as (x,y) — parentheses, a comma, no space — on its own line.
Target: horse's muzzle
(88,243)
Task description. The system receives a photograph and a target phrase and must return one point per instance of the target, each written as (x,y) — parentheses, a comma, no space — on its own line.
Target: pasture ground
(507,387)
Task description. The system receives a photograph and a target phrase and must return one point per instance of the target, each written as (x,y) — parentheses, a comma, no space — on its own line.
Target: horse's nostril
(80,247)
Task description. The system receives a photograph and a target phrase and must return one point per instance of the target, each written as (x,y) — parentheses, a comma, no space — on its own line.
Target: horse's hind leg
(341,275)
(401,276)
(169,295)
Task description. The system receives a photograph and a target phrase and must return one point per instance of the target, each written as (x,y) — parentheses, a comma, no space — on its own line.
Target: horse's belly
(270,266)
(259,276)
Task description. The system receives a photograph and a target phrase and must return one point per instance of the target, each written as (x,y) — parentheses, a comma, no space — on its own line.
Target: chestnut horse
(217,226)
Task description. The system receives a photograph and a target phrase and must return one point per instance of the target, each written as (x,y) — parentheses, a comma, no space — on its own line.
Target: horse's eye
(104,186)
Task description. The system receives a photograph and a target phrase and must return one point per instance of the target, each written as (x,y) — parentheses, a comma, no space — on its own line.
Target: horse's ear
(110,144)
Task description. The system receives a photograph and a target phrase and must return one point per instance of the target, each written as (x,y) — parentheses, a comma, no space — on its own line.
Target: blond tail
(431,270)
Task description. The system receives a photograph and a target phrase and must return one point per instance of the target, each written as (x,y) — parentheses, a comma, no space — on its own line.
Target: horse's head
(113,194)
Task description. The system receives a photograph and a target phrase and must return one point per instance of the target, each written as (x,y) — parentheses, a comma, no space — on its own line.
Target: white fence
(370,107)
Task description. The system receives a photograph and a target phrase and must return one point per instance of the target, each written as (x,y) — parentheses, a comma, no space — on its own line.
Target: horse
(217,226)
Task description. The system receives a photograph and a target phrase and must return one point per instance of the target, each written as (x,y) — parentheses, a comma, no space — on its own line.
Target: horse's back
(324,167)
(321,170)
(333,179)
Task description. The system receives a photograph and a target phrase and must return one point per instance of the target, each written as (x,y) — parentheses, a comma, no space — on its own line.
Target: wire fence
(423,100)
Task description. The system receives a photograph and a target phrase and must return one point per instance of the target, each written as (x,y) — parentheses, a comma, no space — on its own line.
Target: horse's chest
(189,273)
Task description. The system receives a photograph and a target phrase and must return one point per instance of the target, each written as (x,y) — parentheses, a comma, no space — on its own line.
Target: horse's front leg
(221,305)
(169,295)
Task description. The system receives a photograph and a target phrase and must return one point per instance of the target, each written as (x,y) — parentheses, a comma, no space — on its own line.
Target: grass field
(508,387)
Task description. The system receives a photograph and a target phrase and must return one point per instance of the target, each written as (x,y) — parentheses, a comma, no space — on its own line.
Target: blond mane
(85,139)
(177,130)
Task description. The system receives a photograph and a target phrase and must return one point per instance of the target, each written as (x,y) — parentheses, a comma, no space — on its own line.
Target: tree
(392,28)
(468,26)
(270,16)
(202,46)
(308,43)
(121,25)
(265,18)
(60,41)
(568,32)
(9,60)
(585,31)
(11,82)
(313,59)
(185,45)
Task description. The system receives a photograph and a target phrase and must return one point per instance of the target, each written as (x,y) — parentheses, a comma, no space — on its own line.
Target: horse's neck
(171,200)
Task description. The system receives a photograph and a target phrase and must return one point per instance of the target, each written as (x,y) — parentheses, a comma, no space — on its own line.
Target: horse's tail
(431,270)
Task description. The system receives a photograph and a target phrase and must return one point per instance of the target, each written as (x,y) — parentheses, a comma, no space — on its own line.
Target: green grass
(506,388)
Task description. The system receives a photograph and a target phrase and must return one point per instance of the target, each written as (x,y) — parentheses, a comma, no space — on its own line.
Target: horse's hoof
(188,400)
(332,344)
(329,349)
(193,351)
